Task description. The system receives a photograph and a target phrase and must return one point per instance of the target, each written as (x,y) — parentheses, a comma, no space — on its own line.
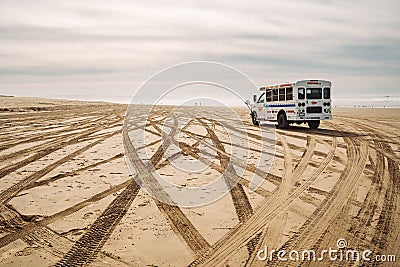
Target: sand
(68,198)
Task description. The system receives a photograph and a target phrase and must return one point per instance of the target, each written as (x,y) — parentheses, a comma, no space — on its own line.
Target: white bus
(306,101)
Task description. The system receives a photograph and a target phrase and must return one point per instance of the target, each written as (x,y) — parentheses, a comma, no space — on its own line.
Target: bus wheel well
(282,120)
(281,112)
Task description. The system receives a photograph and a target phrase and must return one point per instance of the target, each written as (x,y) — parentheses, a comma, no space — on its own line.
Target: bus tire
(254,119)
(282,121)
(313,124)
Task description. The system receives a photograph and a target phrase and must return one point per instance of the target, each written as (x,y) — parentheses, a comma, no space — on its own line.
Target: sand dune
(68,198)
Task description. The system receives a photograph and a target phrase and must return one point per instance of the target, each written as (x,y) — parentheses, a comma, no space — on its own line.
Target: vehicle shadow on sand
(319,131)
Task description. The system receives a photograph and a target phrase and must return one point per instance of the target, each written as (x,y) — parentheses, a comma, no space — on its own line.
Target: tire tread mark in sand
(388,186)
(284,190)
(312,230)
(50,135)
(33,226)
(251,228)
(58,245)
(381,136)
(12,191)
(179,223)
(19,154)
(187,149)
(45,122)
(306,158)
(360,226)
(48,150)
(274,179)
(296,175)
(40,137)
(89,245)
(72,173)
(228,245)
(385,221)
(240,200)
(384,135)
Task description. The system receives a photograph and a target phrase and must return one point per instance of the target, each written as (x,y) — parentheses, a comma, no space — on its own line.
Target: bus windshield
(314,93)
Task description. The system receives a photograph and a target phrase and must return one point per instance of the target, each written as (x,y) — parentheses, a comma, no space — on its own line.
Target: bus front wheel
(313,124)
(254,119)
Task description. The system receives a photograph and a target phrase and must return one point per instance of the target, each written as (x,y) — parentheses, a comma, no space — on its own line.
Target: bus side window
(327,93)
(275,95)
(282,94)
(301,93)
(289,93)
(269,96)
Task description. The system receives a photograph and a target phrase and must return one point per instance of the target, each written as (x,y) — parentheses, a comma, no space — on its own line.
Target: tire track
(386,199)
(239,162)
(12,191)
(72,173)
(379,135)
(187,149)
(89,245)
(265,212)
(240,200)
(306,157)
(274,225)
(85,250)
(249,230)
(386,218)
(48,150)
(39,136)
(37,148)
(27,229)
(277,225)
(180,224)
(311,232)
(357,228)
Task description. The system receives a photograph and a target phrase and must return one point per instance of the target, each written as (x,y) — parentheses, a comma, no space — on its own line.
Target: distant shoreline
(38,101)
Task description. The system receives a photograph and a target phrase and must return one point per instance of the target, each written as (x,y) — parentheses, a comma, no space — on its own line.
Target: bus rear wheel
(282,122)
(313,124)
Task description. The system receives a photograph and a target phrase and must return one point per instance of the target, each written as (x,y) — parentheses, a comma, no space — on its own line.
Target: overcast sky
(108,48)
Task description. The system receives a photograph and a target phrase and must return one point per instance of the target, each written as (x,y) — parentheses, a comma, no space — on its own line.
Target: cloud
(130,40)
(46,71)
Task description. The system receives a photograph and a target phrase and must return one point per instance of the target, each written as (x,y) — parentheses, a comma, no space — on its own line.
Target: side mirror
(254,98)
(247,102)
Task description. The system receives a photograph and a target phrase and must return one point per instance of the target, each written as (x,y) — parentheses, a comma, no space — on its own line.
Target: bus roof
(298,83)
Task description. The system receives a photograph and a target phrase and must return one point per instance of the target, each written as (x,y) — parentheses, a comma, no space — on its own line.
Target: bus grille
(314,109)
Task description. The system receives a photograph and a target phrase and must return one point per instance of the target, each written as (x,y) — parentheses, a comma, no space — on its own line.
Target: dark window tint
(289,93)
(269,96)
(327,93)
(275,95)
(314,93)
(301,93)
(261,99)
(282,94)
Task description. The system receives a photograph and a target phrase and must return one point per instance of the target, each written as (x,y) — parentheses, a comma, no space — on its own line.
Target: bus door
(259,105)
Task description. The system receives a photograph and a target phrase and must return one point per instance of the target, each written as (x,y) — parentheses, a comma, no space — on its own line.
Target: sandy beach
(68,198)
